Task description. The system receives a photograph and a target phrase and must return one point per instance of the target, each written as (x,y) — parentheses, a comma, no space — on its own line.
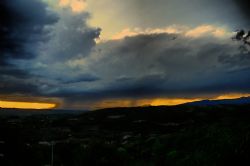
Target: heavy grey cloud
(155,65)
(71,66)
(36,42)
(22,25)
(71,37)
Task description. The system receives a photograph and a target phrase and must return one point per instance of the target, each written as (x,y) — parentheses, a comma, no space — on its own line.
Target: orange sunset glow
(108,103)
(159,101)
(26,105)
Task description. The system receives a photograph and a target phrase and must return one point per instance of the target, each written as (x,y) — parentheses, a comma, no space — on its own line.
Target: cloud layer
(161,65)
(20,30)
(55,55)
(20,34)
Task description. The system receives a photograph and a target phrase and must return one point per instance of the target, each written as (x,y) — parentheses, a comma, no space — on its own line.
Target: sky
(89,54)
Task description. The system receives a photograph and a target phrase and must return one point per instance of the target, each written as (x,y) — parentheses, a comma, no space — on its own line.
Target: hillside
(179,135)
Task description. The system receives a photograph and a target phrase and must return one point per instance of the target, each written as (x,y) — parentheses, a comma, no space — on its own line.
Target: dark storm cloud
(155,65)
(71,66)
(80,78)
(23,25)
(133,88)
(36,43)
(71,37)
(13,71)
(239,60)
(13,84)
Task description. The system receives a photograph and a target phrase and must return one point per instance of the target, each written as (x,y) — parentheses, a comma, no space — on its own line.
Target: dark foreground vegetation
(146,136)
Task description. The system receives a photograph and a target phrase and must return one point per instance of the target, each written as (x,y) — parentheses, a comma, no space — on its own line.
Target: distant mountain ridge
(239,101)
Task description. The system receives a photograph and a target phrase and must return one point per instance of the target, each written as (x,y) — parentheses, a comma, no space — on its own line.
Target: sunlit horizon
(111,103)
(26,105)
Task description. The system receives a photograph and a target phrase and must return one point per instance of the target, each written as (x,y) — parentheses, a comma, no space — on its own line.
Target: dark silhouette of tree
(243,37)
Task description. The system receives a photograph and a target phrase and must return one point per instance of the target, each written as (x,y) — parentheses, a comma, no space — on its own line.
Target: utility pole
(52,144)
(52,153)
